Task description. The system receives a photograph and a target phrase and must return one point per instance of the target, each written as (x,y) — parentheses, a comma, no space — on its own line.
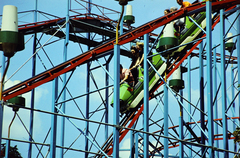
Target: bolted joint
(93,53)
(118,127)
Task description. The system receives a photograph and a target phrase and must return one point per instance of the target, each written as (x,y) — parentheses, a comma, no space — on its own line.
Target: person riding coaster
(132,96)
(187,32)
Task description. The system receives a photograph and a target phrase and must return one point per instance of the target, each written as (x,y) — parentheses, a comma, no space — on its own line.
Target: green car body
(129,96)
(188,34)
(132,97)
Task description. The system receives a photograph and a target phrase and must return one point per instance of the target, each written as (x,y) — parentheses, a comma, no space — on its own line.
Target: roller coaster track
(71,64)
(50,26)
(175,144)
(124,132)
(109,141)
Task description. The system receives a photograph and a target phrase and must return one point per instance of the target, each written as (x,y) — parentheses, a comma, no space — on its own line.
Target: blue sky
(144,11)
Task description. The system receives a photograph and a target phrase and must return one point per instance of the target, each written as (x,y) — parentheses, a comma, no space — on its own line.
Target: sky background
(144,11)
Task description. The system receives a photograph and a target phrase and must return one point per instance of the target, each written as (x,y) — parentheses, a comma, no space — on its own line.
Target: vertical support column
(87,88)
(146,97)
(1,103)
(223,81)
(132,143)
(165,120)
(54,120)
(106,98)
(136,144)
(64,80)
(201,88)
(181,151)
(189,98)
(234,109)
(33,91)
(89,6)
(106,94)
(116,103)
(238,52)
(209,76)
(87,107)
(7,149)
(2,107)
(215,103)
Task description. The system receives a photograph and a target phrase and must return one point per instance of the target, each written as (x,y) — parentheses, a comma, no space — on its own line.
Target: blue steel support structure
(7,149)
(64,80)
(165,119)
(107,102)
(201,91)
(189,98)
(215,97)
(233,105)
(210,95)
(1,103)
(54,119)
(136,144)
(209,76)
(181,137)
(132,145)
(106,95)
(238,53)
(223,82)
(87,88)
(87,107)
(33,91)
(116,103)
(146,97)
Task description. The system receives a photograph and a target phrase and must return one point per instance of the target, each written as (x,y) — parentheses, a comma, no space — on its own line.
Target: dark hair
(121,66)
(180,2)
(167,10)
(134,48)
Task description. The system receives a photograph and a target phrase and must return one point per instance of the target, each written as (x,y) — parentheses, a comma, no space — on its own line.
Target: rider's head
(180,2)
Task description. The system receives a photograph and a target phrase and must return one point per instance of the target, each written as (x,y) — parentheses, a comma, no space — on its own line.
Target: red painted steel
(138,32)
(124,133)
(73,63)
(26,27)
(168,75)
(187,54)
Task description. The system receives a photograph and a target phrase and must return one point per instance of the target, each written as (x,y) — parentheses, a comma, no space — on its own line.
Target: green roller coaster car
(188,34)
(131,97)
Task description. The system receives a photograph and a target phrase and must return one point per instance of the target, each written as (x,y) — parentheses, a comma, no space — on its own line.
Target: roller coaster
(194,141)
(130,98)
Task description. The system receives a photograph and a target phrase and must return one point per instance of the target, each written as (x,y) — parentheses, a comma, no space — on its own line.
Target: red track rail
(69,65)
(216,136)
(124,132)
(53,22)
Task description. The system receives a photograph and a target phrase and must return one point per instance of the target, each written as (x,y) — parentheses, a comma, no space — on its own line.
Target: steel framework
(199,121)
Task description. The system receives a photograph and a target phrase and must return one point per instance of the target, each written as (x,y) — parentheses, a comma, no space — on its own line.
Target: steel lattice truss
(83,84)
